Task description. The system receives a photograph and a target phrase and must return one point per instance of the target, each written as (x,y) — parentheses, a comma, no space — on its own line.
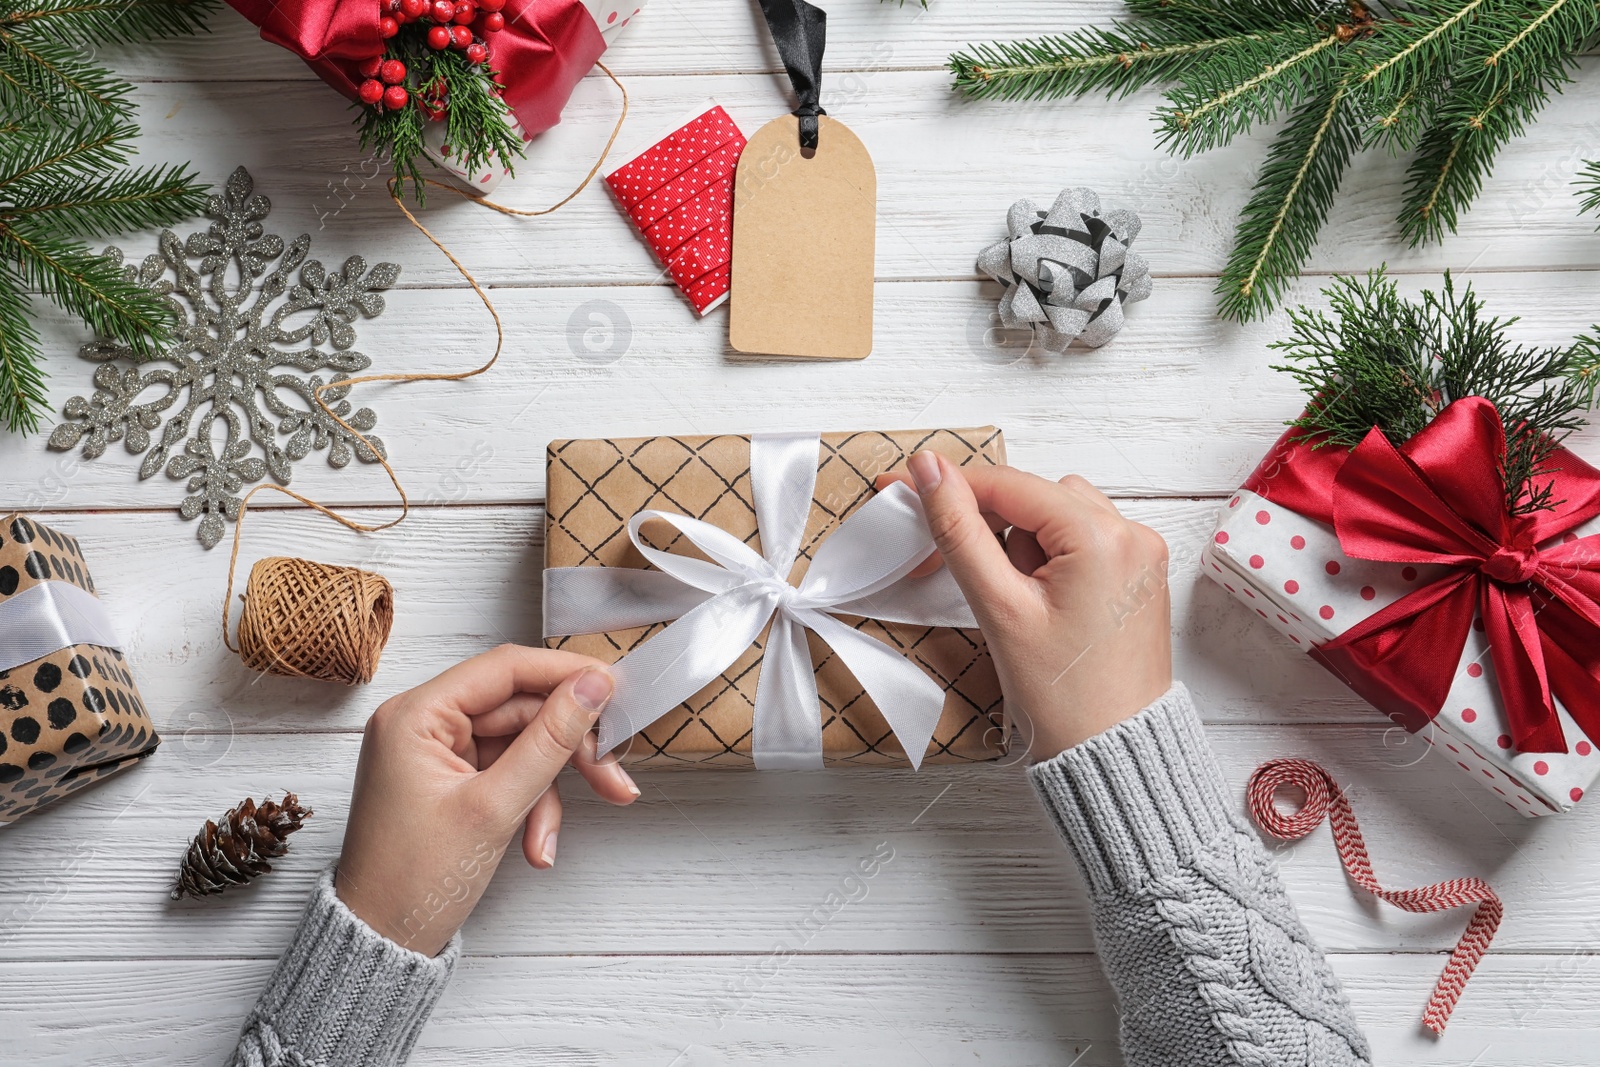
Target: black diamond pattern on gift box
(595,486)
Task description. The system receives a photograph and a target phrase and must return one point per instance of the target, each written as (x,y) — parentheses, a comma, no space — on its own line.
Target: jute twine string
(303,619)
(1325,800)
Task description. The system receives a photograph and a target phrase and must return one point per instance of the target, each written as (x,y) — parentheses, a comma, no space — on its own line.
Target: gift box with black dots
(70,713)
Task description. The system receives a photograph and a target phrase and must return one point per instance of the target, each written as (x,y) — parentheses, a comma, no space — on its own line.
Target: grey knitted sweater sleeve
(1208,959)
(343,995)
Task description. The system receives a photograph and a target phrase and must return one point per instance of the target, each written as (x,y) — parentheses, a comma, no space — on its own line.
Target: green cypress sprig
(1376,359)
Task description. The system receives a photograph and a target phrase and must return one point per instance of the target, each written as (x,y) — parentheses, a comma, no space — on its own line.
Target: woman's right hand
(1073,602)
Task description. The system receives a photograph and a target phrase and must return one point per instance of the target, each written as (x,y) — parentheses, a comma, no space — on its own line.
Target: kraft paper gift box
(71,714)
(596,486)
(1291,571)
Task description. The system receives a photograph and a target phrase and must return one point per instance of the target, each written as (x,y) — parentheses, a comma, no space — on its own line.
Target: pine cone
(235,850)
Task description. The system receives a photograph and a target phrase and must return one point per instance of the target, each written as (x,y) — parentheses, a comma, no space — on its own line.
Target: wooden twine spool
(303,619)
(313,620)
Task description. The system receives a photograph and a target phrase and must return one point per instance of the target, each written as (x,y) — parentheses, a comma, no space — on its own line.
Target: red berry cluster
(457,24)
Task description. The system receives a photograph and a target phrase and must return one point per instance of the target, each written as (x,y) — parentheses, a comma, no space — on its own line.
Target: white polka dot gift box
(1404,572)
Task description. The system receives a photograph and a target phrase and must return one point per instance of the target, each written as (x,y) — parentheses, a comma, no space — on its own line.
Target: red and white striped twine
(1325,800)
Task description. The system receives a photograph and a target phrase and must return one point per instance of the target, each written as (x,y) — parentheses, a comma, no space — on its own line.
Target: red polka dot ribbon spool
(1325,800)
(679,193)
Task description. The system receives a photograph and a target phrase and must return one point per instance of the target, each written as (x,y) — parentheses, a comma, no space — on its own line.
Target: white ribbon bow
(721,607)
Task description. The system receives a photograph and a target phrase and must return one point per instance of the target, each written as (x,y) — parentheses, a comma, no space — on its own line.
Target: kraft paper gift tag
(804,216)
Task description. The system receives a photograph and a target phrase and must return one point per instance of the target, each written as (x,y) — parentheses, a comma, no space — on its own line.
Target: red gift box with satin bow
(1402,571)
(547,46)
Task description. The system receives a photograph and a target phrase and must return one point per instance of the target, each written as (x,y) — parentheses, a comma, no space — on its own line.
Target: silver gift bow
(720,608)
(48,617)
(1067,271)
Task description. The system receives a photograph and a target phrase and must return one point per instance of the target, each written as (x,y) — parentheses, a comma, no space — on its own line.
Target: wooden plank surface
(815,1011)
(468,578)
(973,945)
(1180,405)
(947,171)
(725,861)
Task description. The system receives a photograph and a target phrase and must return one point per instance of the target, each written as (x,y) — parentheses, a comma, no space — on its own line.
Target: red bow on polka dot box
(1403,572)
(679,195)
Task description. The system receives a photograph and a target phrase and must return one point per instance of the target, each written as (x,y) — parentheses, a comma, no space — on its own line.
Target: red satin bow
(545,49)
(1439,500)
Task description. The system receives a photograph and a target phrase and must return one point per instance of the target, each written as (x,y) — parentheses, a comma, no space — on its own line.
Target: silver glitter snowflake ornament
(235,355)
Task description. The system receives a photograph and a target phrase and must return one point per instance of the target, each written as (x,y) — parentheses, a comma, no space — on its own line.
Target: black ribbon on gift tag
(800,30)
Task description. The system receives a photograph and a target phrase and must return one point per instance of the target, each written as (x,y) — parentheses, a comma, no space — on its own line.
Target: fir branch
(22,395)
(1220,18)
(68,136)
(1455,154)
(1292,196)
(1119,60)
(1246,82)
(1382,361)
(89,286)
(53,78)
(1449,80)
(1401,57)
(1511,65)
(1534,38)
(114,203)
(1588,184)
(63,154)
(107,21)
(1398,124)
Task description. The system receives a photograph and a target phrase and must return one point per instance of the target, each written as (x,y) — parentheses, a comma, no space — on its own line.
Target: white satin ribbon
(721,607)
(48,617)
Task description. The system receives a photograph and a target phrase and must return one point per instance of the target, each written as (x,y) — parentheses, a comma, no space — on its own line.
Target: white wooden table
(652,943)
